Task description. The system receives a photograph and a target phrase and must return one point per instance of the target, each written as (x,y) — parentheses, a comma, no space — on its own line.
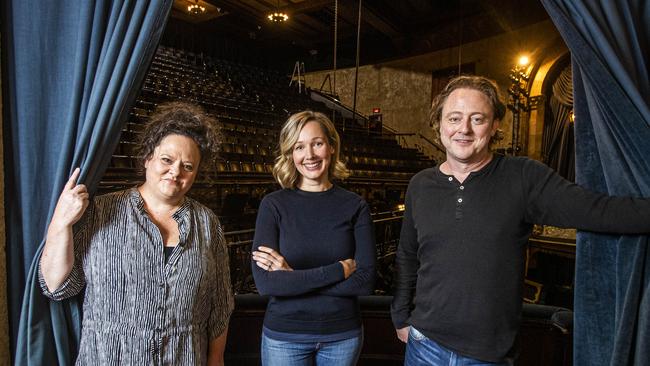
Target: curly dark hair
(180,118)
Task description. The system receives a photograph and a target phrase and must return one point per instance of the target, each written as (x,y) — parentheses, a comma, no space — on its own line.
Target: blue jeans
(280,353)
(422,351)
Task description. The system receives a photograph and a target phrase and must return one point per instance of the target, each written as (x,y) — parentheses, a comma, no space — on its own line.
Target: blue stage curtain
(610,47)
(73,69)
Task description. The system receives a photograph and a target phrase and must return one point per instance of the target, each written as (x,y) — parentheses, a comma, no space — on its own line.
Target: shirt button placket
(459,201)
(459,195)
(161,304)
(157,340)
(160,319)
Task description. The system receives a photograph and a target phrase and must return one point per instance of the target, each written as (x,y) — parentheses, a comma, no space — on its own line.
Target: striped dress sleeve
(223,302)
(75,281)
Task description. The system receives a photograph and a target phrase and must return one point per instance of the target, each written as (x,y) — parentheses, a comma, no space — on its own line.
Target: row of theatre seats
(252,148)
(251,104)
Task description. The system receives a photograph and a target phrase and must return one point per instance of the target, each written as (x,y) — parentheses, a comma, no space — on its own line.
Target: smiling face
(466,126)
(312,155)
(172,168)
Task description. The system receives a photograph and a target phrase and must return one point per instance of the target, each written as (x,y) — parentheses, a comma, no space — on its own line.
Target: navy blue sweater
(314,231)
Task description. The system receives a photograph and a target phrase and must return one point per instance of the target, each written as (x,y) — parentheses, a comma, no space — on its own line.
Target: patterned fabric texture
(139,310)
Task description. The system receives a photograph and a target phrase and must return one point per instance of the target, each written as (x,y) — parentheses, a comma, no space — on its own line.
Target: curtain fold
(558,137)
(610,49)
(73,69)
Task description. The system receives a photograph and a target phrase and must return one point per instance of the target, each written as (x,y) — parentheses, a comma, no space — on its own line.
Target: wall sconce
(523,61)
(518,98)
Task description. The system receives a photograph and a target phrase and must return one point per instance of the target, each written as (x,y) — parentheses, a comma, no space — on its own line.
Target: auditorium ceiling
(389,28)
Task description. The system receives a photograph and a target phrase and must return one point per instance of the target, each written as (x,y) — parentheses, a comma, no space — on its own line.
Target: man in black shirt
(461,254)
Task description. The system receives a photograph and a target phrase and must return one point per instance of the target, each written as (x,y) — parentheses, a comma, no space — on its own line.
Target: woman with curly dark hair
(154,262)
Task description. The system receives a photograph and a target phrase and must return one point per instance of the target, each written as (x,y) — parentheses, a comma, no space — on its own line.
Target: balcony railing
(387,228)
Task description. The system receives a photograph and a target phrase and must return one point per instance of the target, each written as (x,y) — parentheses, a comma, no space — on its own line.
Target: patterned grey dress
(139,310)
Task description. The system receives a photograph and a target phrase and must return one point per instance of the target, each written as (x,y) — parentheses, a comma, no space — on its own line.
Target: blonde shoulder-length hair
(284,170)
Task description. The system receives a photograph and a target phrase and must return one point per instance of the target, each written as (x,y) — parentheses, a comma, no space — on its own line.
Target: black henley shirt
(461,253)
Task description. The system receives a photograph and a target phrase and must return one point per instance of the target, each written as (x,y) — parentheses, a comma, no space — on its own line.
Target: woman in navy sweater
(313,251)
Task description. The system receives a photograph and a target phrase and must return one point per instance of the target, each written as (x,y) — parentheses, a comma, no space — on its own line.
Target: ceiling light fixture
(278,16)
(195,8)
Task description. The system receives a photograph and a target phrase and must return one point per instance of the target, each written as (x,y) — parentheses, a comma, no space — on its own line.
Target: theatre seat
(235,166)
(222,166)
(545,336)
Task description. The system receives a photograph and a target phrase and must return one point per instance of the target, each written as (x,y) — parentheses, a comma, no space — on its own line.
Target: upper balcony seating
(251,104)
